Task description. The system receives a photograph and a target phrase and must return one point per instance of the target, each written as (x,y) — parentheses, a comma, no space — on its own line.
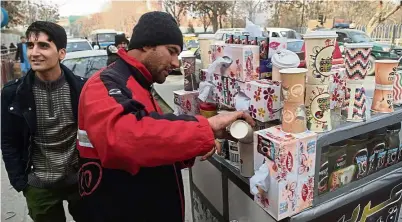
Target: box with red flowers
(186,102)
(246,62)
(264,97)
(216,51)
(226,89)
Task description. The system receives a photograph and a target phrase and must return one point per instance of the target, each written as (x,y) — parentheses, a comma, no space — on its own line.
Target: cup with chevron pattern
(357,61)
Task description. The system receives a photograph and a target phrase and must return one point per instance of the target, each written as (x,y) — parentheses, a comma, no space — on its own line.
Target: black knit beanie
(120,38)
(56,33)
(156,28)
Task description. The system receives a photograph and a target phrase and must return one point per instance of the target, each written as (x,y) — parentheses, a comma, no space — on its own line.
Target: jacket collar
(26,101)
(137,64)
(28,80)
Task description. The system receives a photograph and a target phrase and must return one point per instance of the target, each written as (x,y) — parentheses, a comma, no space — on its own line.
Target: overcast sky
(79,7)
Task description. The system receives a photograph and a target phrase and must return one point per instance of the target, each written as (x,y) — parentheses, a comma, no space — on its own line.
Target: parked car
(76,44)
(281,33)
(380,51)
(85,63)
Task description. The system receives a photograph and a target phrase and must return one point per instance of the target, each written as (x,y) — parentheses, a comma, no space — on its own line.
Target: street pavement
(13,206)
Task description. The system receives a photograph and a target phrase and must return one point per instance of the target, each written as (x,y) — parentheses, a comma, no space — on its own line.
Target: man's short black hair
(22,37)
(55,32)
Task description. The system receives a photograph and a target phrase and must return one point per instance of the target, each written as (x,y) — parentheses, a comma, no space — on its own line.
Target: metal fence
(385,33)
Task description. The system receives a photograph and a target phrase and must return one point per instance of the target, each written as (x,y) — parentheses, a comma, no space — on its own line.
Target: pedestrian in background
(120,42)
(12,47)
(22,56)
(39,127)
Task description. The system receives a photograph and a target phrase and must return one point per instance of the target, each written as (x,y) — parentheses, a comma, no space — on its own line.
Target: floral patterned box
(216,51)
(186,102)
(246,62)
(265,101)
(290,159)
(337,87)
(226,89)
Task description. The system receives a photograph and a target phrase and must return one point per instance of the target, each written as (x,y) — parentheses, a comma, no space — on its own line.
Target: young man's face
(43,54)
(161,60)
(23,40)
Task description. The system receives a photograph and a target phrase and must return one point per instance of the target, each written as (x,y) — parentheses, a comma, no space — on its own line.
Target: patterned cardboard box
(186,102)
(290,159)
(246,63)
(265,102)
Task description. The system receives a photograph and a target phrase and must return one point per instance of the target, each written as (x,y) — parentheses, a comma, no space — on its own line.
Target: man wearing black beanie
(120,41)
(39,127)
(131,153)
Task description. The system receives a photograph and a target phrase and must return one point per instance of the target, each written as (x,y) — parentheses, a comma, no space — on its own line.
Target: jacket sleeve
(126,137)
(11,145)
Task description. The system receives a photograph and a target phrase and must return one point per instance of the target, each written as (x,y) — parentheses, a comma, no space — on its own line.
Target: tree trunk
(220,21)
(379,17)
(214,21)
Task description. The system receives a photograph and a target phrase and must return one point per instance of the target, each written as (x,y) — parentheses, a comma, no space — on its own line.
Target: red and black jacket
(132,154)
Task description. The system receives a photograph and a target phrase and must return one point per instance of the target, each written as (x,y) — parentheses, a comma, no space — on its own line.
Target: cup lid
(388,61)
(358,45)
(285,59)
(320,34)
(293,71)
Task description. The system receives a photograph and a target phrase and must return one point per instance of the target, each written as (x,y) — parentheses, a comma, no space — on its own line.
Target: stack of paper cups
(385,72)
(294,112)
(242,131)
(246,159)
(320,46)
(356,64)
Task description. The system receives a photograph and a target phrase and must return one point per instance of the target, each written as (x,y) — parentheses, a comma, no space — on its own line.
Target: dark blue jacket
(18,123)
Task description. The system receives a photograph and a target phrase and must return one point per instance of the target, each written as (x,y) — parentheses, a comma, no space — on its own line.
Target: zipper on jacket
(152,97)
(49,101)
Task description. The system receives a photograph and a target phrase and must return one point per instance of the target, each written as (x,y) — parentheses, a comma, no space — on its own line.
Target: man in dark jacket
(120,41)
(39,127)
(21,55)
(132,154)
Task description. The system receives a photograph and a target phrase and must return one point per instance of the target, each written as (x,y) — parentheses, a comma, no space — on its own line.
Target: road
(13,206)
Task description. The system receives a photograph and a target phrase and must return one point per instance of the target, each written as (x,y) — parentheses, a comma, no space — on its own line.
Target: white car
(76,44)
(85,63)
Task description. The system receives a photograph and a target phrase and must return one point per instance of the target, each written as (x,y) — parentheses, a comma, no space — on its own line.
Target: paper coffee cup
(356,61)
(282,60)
(319,46)
(242,131)
(293,84)
(385,71)
(205,40)
(318,108)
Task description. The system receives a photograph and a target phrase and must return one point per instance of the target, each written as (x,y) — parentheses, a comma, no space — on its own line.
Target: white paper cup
(242,131)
